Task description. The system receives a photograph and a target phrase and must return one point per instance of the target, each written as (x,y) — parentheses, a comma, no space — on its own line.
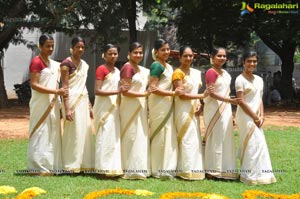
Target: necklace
(76,62)
(135,66)
(46,61)
(110,67)
(250,78)
(219,71)
(185,70)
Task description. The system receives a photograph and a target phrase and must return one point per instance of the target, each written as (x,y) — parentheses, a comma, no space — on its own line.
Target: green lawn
(283,143)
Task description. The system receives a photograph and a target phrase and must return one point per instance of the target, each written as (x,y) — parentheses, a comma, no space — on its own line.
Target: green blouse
(156,69)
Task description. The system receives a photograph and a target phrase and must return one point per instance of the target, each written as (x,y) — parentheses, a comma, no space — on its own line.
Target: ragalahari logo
(246,9)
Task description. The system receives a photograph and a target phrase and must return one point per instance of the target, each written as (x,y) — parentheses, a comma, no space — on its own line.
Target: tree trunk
(286,52)
(287,69)
(18,9)
(131,16)
(3,95)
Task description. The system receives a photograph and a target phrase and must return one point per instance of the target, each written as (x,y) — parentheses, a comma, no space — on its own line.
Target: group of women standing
(146,121)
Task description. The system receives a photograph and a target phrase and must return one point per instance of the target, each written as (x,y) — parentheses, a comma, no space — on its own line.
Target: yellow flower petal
(35,190)
(141,192)
(7,190)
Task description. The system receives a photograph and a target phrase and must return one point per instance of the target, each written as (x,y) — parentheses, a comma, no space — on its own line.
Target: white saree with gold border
(107,125)
(135,130)
(77,141)
(256,165)
(190,160)
(220,156)
(44,148)
(163,139)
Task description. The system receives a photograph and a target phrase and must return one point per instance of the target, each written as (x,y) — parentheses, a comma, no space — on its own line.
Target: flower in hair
(153,54)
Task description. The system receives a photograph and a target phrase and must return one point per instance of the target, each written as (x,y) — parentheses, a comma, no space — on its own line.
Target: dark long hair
(43,38)
(249,53)
(109,46)
(134,45)
(215,51)
(182,49)
(159,43)
(77,39)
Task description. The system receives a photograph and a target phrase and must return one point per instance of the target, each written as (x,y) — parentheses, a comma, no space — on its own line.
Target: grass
(283,143)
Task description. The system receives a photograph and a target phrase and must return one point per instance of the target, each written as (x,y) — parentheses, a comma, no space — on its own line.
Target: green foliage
(282,143)
(297,56)
(102,20)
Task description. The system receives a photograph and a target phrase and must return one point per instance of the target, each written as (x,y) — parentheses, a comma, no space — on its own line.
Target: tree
(18,14)
(161,18)
(102,21)
(205,23)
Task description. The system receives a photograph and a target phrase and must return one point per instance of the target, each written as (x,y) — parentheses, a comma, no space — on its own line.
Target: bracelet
(227,99)
(260,118)
(173,93)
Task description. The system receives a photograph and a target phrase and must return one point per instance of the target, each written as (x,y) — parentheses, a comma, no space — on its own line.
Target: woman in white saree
(256,165)
(190,157)
(220,157)
(44,148)
(163,137)
(106,111)
(77,140)
(133,115)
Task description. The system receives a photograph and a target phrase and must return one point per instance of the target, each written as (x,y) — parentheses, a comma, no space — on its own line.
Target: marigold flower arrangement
(172,195)
(26,194)
(30,193)
(97,194)
(254,194)
(7,190)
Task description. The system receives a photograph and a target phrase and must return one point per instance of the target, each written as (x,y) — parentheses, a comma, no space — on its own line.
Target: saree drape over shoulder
(190,160)
(162,129)
(107,125)
(220,156)
(77,143)
(134,129)
(256,165)
(44,148)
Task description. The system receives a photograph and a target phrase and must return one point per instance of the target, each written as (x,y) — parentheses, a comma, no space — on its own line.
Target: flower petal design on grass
(30,193)
(97,194)
(173,195)
(255,194)
(141,192)
(7,190)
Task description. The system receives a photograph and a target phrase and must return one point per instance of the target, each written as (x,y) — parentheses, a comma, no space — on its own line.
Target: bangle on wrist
(173,93)
(257,120)
(226,99)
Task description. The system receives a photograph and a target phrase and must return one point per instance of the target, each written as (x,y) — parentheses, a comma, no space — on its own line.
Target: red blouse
(211,76)
(101,72)
(67,62)
(127,71)
(37,65)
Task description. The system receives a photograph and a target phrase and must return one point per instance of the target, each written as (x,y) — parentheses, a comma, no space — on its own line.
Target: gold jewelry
(45,60)
(249,78)
(173,93)
(257,119)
